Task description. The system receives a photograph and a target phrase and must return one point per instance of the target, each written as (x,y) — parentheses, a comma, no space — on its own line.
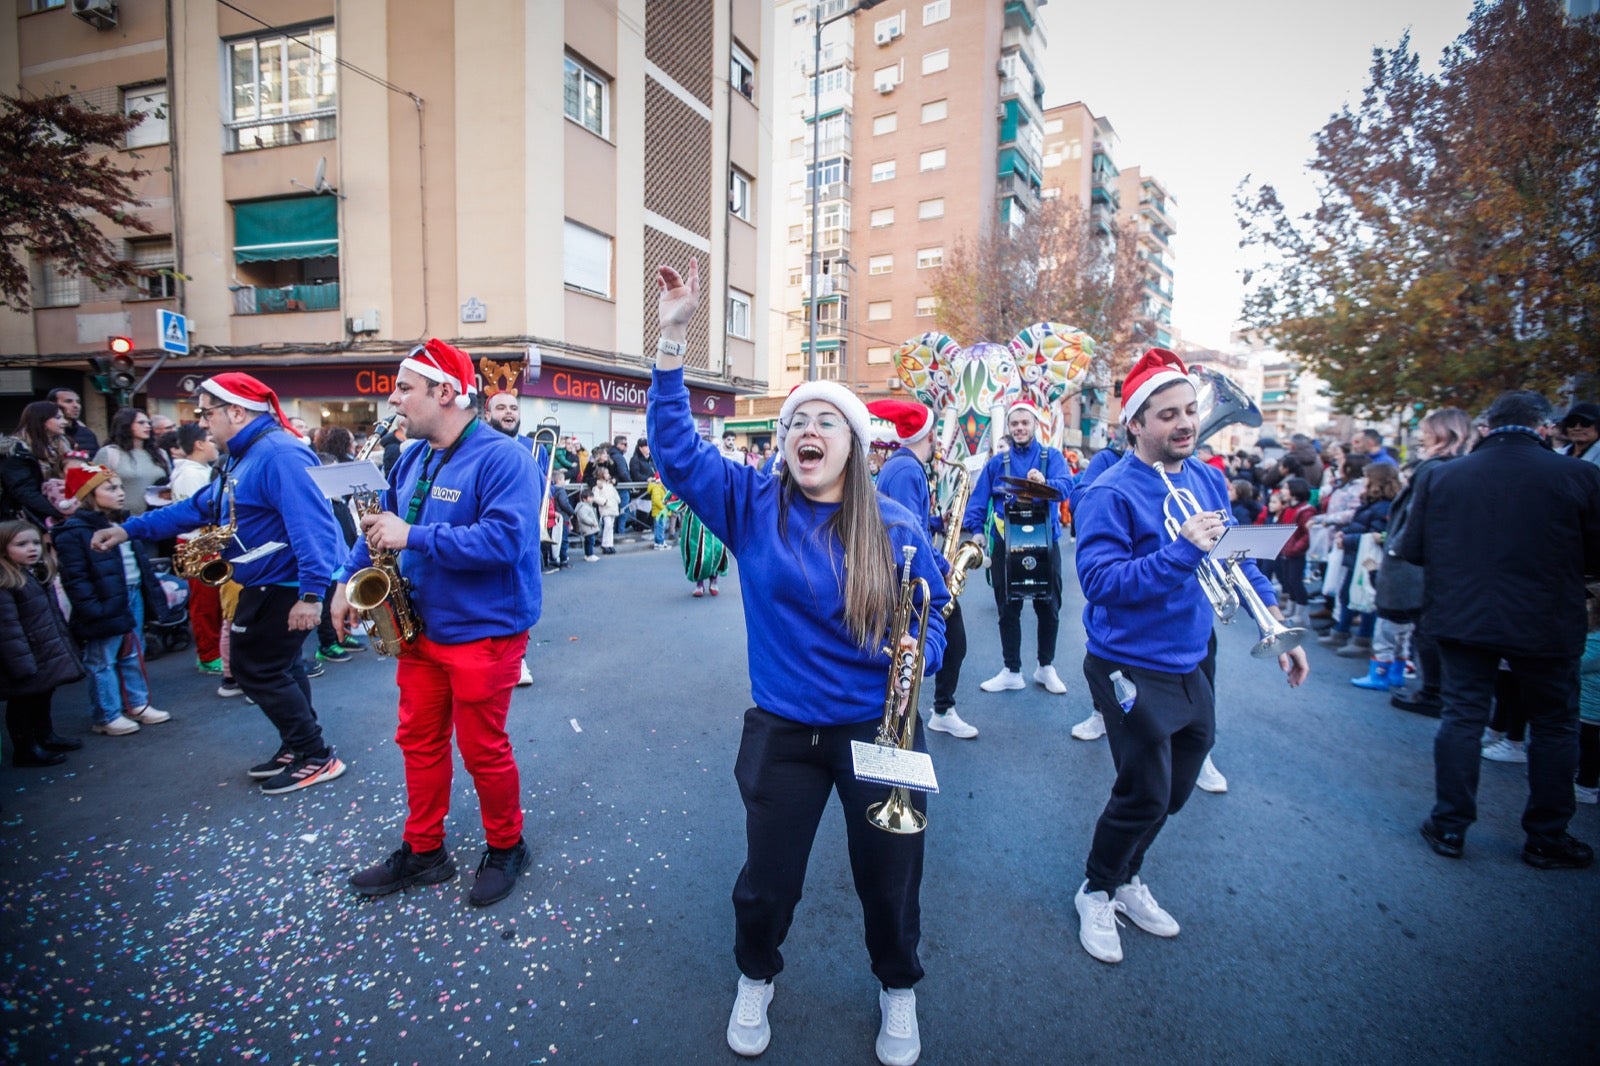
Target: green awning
(297,227)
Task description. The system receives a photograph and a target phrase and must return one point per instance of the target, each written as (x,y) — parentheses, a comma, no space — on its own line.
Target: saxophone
(378,590)
(200,557)
(962,556)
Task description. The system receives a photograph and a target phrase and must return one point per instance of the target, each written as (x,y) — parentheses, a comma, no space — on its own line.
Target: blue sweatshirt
(274,499)
(472,554)
(1016,462)
(1144,605)
(904,480)
(1103,460)
(804,664)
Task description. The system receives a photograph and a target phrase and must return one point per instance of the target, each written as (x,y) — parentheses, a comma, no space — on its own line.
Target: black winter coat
(22,485)
(94,581)
(37,652)
(1505,536)
(641,467)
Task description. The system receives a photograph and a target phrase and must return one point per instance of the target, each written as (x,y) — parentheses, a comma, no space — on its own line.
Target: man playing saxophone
(1148,623)
(462,515)
(265,490)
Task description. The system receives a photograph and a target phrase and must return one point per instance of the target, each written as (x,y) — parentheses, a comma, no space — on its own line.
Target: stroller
(170,630)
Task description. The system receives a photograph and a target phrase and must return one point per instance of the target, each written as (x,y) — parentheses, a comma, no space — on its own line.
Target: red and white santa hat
(1026,403)
(1155,370)
(438,361)
(912,421)
(848,403)
(247,392)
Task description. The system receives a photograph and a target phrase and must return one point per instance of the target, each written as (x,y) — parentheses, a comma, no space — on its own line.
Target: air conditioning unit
(883,37)
(101,14)
(885,87)
(895,383)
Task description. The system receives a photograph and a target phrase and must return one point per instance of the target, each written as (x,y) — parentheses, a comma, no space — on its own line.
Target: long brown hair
(12,576)
(1383,482)
(50,451)
(871,586)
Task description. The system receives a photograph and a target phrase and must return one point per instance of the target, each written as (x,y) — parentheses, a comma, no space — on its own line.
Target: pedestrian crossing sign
(173,329)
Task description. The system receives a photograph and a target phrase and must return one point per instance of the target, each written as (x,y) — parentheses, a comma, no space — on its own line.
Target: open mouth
(808,454)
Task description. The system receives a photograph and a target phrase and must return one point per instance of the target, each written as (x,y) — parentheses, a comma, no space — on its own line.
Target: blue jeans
(116,679)
(661,529)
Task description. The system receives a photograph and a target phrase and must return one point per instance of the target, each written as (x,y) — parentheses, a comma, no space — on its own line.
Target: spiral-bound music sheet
(885,765)
(341,479)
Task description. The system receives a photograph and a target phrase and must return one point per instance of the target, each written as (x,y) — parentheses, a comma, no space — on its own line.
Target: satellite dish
(319,182)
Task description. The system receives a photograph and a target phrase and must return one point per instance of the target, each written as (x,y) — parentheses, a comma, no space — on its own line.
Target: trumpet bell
(896,814)
(1280,640)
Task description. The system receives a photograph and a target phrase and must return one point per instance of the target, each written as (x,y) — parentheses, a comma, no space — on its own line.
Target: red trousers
(465,688)
(205,618)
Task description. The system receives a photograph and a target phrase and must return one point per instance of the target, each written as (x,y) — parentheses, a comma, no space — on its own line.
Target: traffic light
(123,371)
(119,345)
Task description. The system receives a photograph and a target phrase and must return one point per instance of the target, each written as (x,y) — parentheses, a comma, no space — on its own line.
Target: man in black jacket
(81,436)
(1505,536)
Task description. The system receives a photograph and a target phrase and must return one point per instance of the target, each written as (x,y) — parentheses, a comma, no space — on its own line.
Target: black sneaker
(403,869)
(304,772)
(273,766)
(1450,845)
(314,668)
(229,688)
(497,874)
(1565,853)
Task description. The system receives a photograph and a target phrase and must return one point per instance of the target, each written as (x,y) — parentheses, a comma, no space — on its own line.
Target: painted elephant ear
(925,365)
(1052,358)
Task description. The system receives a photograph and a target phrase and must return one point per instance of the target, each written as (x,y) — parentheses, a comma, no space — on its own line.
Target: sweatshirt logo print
(447,495)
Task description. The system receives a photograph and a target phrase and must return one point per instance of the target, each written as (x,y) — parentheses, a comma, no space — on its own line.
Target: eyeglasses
(825,425)
(204,413)
(1578,423)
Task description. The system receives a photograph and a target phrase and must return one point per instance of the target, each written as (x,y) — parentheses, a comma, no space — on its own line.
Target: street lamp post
(818,22)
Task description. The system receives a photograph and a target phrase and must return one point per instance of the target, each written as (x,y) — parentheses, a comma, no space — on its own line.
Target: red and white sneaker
(304,772)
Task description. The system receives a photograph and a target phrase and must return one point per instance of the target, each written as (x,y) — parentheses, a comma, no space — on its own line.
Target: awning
(296,227)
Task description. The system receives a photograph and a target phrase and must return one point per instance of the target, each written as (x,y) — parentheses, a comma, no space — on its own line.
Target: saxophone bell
(381,593)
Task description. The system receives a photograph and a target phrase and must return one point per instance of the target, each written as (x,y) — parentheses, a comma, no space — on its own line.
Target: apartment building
(331,182)
(1147,203)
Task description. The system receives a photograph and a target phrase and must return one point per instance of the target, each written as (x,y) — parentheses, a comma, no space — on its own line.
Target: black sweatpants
(28,719)
(786,771)
(1047,609)
(1158,749)
(955,650)
(265,657)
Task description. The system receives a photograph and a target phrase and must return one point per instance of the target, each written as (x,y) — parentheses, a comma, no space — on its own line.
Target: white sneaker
(1210,780)
(950,722)
(1585,795)
(117,727)
(1097,925)
(591,558)
(1134,900)
(899,1043)
(527,676)
(1504,750)
(1091,728)
(748,1031)
(1004,681)
(1046,675)
(148,715)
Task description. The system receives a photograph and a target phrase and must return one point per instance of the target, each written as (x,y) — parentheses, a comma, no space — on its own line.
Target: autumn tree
(1054,268)
(1455,249)
(60,177)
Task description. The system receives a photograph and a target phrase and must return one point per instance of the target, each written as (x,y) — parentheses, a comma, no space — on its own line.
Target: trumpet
(899,725)
(200,557)
(1225,584)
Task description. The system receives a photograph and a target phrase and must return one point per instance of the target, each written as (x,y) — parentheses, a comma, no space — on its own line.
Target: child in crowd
(1242,496)
(1587,789)
(586,522)
(658,512)
(608,505)
(1297,511)
(109,593)
(37,652)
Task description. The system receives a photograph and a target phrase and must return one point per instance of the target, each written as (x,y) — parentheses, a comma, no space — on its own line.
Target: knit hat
(1155,370)
(82,480)
(912,421)
(438,361)
(247,392)
(848,403)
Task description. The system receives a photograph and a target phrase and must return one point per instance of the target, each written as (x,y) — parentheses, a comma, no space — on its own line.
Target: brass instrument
(546,437)
(962,556)
(899,725)
(379,591)
(1225,584)
(200,557)
(1221,402)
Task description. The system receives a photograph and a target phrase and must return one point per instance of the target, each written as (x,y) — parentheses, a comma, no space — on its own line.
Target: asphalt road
(157,908)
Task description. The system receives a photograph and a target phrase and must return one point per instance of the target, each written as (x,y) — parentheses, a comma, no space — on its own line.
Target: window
(286,255)
(878,353)
(51,289)
(934,62)
(154,255)
(831,80)
(831,172)
(586,98)
(151,100)
(742,73)
(796,275)
(933,159)
(886,30)
(935,111)
(738,314)
(929,257)
(881,217)
(880,264)
(46,5)
(927,306)
(884,124)
(883,171)
(880,311)
(937,11)
(797,234)
(739,199)
(931,208)
(283,89)
(587,260)
(885,78)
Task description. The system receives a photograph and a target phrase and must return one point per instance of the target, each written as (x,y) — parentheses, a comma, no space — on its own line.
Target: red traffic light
(120,345)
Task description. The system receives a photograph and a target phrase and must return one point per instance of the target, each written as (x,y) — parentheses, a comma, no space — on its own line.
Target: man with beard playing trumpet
(1148,623)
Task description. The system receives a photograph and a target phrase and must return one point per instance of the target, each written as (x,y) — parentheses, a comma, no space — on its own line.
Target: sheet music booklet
(886,765)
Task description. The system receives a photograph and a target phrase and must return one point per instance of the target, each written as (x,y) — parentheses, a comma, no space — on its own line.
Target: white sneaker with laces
(148,715)
(1097,924)
(748,1031)
(1134,900)
(1210,779)
(1046,675)
(527,676)
(1585,795)
(950,722)
(1504,750)
(1091,728)
(1004,681)
(117,727)
(899,1043)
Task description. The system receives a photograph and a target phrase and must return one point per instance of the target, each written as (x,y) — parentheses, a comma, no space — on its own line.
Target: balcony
(1018,186)
(280,299)
(831,145)
(831,190)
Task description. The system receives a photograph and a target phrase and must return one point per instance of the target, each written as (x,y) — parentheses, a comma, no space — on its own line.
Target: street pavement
(157,908)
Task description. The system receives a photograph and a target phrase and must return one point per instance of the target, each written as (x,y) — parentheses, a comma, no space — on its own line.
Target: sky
(1203,92)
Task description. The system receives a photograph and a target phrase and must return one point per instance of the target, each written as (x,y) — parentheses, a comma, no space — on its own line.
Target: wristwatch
(310,597)
(671,348)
